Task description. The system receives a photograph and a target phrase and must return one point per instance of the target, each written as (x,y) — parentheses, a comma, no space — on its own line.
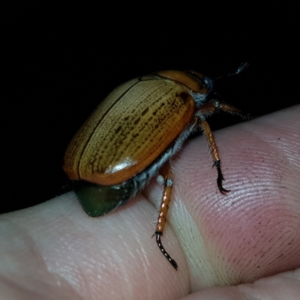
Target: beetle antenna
(164,252)
(240,69)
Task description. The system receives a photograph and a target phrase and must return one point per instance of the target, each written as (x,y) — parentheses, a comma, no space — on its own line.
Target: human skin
(243,245)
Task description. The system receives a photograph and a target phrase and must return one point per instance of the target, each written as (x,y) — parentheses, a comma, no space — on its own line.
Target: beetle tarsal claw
(220,178)
(220,187)
(164,252)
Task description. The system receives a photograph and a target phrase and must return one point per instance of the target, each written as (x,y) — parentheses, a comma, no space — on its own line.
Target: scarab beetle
(132,135)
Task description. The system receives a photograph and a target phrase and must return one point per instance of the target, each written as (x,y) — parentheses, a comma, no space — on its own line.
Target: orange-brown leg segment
(211,108)
(204,111)
(215,154)
(166,172)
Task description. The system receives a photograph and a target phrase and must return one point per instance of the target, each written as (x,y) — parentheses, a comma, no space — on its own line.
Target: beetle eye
(204,82)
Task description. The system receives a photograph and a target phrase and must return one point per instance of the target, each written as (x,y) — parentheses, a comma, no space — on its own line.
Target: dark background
(59,61)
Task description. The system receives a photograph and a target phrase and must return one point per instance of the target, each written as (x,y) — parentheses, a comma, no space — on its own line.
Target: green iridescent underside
(98,200)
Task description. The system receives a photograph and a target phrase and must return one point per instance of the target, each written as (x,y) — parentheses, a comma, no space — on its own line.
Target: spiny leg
(215,106)
(215,154)
(166,172)
(204,111)
(225,107)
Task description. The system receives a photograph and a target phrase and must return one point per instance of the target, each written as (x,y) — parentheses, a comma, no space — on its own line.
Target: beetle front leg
(215,154)
(166,172)
(204,111)
(215,106)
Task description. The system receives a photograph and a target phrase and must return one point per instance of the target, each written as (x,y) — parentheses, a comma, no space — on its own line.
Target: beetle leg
(206,110)
(215,154)
(214,106)
(166,172)
(232,110)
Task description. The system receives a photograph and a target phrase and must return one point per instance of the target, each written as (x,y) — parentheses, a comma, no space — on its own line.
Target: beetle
(132,135)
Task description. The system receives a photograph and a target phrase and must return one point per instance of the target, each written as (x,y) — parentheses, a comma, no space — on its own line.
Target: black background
(60,60)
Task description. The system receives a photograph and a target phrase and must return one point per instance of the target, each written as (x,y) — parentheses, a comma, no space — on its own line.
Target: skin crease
(244,245)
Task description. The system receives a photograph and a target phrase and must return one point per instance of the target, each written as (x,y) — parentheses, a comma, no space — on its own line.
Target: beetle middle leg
(166,172)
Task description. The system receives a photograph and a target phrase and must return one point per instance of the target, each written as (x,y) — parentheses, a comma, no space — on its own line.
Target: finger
(253,231)
(55,248)
(282,286)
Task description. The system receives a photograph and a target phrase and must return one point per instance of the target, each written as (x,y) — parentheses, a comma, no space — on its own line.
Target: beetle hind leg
(166,172)
(164,252)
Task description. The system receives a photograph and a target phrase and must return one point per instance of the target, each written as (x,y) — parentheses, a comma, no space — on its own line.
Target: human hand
(55,251)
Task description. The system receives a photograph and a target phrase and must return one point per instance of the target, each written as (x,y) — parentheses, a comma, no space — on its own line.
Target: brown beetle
(133,134)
